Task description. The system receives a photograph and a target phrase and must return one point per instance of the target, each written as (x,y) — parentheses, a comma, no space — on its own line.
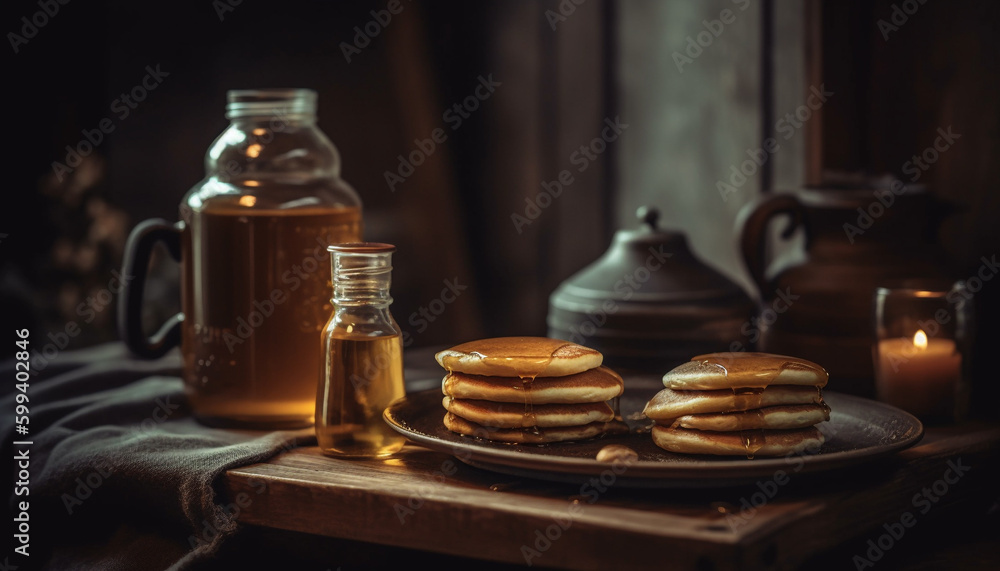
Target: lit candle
(919,375)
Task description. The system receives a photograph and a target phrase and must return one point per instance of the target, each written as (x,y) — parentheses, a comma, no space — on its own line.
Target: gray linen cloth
(122,477)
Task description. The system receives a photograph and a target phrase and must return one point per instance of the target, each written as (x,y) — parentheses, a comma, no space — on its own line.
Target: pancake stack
(528,390)
(735,404)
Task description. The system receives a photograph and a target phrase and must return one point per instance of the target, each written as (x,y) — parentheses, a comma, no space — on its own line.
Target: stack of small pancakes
(753,404)
(528,390)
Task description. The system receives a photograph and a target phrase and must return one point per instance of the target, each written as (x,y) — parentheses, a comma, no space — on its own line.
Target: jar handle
(138,250)
(751,228)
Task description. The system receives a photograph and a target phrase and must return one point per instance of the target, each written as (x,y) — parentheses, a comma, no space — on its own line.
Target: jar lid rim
(270,102)
(361,248)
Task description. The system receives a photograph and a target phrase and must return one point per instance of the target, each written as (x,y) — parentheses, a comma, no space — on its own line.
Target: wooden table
(429,501)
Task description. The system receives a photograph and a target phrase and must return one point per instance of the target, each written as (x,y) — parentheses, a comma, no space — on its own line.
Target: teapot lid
(650,265)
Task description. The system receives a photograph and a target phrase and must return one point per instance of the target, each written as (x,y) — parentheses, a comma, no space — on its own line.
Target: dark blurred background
(563,69)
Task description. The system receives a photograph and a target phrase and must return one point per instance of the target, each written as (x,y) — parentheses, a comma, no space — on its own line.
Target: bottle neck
(361,279)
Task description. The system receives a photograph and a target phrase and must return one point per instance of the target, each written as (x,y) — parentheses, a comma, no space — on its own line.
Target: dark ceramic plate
(859,431)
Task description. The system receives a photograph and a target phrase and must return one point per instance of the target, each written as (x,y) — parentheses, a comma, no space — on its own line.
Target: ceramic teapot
(649,304)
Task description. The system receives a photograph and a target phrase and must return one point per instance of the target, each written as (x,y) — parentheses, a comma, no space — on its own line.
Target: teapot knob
(648,215)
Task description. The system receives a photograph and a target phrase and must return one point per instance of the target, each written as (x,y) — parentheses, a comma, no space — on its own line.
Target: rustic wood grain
(459,513)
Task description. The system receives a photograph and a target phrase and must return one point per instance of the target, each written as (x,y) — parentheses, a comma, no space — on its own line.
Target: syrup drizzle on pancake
(755,372)
(529,421)
(753,441)
(759,370)
(527,359)
(748,398)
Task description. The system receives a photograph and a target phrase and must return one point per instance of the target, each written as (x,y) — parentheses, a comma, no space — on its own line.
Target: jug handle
(752,225)
(138,250)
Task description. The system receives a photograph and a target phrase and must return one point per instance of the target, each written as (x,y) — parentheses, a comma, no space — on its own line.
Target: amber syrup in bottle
(361,369)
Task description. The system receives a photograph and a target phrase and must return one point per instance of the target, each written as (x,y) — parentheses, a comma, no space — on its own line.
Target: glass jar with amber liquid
(252,246)
(362,356)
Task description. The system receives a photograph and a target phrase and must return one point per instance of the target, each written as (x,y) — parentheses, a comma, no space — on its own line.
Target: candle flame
(248,200)
(920,339)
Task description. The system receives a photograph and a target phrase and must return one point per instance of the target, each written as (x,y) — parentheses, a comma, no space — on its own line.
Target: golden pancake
(458,424)
(596,385)
(772,417)
(526,357)
(669,404)
(749,443)
(514,415)
(716,371)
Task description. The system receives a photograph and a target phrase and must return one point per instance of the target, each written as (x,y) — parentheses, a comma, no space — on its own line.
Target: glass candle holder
(923,338)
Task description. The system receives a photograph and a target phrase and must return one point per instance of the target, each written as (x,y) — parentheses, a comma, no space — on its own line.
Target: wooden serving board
(430,501)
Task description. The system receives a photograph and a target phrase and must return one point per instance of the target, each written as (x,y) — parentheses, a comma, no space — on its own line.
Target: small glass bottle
(362,356)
